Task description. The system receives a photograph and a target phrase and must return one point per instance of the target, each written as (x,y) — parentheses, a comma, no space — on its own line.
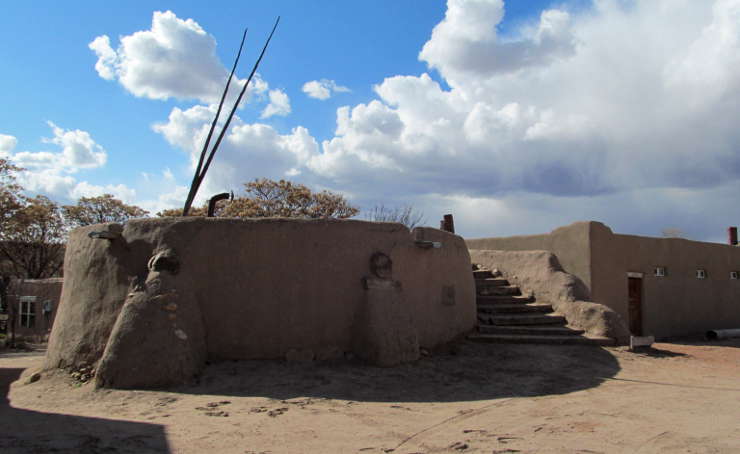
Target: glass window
(27,311)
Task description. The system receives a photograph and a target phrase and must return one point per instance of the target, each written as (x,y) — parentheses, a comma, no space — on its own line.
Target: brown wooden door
(635,305)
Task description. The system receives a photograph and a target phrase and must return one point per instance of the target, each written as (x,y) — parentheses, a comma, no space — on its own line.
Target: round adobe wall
(150,306)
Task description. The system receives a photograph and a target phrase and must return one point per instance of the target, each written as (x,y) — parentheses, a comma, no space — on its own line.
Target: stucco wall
(679,303)
(569,243)
(44,290)
(247,289)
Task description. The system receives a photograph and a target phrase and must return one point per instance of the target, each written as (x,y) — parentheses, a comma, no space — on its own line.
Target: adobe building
(149,302)
(660,286)
(35,302)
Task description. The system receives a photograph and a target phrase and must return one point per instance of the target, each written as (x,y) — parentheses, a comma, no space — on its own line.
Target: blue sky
(517,117)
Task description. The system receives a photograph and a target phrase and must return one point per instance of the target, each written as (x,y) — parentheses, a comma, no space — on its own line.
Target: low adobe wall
(152,305)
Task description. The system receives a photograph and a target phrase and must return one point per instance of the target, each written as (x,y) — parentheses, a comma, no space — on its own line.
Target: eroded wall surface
(150,306)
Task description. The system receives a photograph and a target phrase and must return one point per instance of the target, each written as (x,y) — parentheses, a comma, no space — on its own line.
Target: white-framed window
(27,311)
(733,275)
(659,271)
(701,273)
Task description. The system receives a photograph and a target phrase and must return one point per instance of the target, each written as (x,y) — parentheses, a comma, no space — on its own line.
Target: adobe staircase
(505,315)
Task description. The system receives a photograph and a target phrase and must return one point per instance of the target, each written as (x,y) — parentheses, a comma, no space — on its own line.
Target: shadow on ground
(654,352)
(470,372)
(24,431)
(700,340)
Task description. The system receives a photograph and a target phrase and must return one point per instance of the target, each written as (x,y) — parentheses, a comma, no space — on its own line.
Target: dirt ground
(477,398)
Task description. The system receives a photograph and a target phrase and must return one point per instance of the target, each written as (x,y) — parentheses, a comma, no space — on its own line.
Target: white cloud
(279,104)
(710,64)
(323,89)
(119,191)
(7,144)
(47,181)
(598,114)
(248,151)
(578,104)
(466,44)
(50,172)
(79,150)
(160,192)
(175,58)
(106,64)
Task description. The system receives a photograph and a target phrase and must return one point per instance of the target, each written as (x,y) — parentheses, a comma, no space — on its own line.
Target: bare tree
(97,210)
(405,215)
(11,197)
(269,198)
(32,240)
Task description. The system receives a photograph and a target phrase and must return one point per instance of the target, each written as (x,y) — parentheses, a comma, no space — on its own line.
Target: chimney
(732,236)
(447,224)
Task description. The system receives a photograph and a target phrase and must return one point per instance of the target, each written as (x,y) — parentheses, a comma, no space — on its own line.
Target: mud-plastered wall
(571,245)
(149,302)
(677,303)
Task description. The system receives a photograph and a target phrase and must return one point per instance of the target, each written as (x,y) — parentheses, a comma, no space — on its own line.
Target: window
(660,271)
(27,311)
(701,274)
(733,274)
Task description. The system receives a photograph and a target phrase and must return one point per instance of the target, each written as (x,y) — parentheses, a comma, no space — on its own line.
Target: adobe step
(536,330)
(491,282)
(503,299)
(482,274)
(498,290)
(522,319)
(514,308)
(541,339)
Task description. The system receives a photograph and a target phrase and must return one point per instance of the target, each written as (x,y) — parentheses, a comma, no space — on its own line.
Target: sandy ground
(674,398)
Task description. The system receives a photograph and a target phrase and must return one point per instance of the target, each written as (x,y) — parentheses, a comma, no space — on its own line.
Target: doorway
(635,305)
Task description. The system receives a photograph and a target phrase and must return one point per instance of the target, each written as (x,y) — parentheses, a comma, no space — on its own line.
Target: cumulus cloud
(279,104)
(51,172)
(160,191)
(77,151)
(119,191)
(175,58)
(323,89)
(574,105)
(7,144)
(248,151)
(107,57)
(578,114)
(466,43)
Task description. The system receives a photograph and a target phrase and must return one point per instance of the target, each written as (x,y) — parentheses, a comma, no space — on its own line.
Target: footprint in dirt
(459,446)
(211,408)
(164,401)
(277,412)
